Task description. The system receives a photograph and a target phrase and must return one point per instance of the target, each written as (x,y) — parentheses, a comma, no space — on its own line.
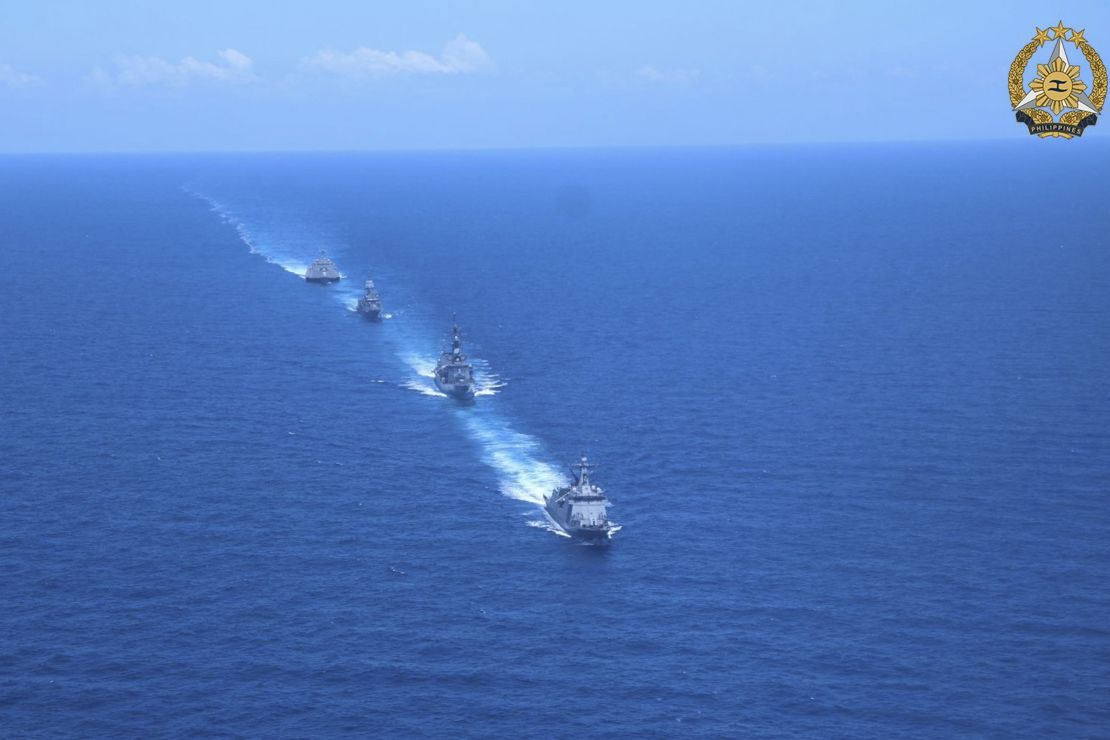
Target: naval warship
(454,375)
(370,304)
(323,270)
(580,509)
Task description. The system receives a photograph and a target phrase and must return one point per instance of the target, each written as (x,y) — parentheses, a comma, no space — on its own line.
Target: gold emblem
(1055,102)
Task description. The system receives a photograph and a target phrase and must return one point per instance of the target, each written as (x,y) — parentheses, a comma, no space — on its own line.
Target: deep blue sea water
(851,404)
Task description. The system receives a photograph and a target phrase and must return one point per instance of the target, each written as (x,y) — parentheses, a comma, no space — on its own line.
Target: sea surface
(851,404)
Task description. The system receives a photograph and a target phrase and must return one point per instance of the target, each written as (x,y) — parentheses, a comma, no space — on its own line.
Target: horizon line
(506,148)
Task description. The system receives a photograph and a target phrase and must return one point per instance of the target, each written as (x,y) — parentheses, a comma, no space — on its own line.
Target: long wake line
(517,458)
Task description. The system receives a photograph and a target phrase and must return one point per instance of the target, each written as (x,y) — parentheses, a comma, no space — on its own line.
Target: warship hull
(370,303)
(322,270)
(454,375)
(600,532)
(457,391)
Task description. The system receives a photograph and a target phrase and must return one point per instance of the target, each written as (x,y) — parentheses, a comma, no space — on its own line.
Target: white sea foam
(289,265)
(547,525)
(254,243)
(515,456)
(347,295)
(486,382)
(424,388)
(422,365)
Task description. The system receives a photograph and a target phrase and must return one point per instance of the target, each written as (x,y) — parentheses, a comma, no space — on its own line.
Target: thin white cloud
(234,67)
(12,77)
(459,56)
(667,76)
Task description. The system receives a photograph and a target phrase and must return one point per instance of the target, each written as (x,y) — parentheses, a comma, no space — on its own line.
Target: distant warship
(580,509)
(323,270)
(370,305)
(454,375)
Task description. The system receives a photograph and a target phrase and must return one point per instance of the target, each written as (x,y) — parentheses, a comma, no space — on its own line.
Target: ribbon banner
(1056,128)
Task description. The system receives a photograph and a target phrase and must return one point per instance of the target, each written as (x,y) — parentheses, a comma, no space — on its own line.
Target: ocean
(850,404)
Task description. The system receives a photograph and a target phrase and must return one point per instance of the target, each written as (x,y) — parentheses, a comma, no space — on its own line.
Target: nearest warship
(580,509)
(323,270)
(370,305)
(454,375)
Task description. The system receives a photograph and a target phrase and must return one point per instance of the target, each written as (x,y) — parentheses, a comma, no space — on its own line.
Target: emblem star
(1059,30)
(1077,37)
(1042,36)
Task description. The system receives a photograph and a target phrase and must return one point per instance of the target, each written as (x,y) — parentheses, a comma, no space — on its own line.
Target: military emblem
(1057,100)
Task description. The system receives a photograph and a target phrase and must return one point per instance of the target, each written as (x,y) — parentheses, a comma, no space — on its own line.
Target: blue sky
(347,74)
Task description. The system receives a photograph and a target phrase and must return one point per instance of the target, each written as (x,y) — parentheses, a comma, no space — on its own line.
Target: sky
(264,75)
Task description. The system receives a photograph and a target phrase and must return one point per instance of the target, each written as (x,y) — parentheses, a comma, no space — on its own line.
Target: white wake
(517,458)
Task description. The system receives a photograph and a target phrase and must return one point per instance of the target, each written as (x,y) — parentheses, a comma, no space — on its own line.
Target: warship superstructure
(322,270)
(454,375)
(370,304)
(581,509)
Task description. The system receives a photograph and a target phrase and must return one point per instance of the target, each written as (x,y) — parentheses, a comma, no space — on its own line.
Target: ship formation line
(579,509)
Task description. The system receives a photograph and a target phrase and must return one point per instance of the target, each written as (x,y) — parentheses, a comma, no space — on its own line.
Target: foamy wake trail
(515,457)
(486,382)
(422,365)
(424,387)
(546,524)
(347,294)
(253,243)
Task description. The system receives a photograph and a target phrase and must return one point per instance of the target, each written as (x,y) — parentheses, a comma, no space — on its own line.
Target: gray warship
(454,375)
(581,509)
(370,304)
(322,270)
